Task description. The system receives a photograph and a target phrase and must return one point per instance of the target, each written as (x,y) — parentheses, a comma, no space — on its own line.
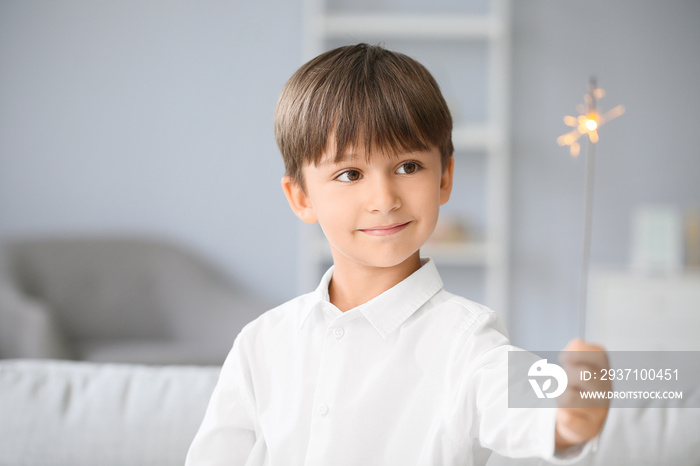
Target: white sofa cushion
(78,413)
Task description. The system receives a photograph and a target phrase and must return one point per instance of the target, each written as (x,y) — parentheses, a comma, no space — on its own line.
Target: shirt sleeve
(511,432)
(227,434)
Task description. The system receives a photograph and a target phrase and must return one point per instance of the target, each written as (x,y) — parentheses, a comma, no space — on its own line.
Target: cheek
(427,196)
(427,202)
(332,214)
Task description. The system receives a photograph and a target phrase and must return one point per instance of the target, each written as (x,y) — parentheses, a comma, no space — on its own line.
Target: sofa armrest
(28,329)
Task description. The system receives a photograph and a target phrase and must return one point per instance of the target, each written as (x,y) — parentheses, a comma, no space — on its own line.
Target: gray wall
(156,117)
(645,55)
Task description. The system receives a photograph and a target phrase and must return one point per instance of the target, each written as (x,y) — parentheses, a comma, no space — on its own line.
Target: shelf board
(410,25)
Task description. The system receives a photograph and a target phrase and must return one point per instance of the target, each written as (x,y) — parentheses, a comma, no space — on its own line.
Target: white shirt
(415,376)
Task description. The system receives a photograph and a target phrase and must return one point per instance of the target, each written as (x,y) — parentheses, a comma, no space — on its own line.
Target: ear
(446,181)
(298,200)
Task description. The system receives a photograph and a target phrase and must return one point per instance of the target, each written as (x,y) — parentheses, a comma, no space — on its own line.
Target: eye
(408,168)
(349,176)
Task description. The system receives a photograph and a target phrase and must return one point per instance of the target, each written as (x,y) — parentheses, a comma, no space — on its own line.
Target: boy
(380,365)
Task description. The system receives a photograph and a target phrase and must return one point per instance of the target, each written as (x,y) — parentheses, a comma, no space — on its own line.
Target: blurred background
(153,118)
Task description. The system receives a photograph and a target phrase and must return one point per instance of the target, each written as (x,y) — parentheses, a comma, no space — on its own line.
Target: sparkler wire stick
(587,227)
(587,123)
(587,217)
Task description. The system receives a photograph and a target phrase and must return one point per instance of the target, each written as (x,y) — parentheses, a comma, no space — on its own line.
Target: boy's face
(377,213)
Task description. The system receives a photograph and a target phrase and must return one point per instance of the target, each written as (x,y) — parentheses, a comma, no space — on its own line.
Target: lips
(385,230)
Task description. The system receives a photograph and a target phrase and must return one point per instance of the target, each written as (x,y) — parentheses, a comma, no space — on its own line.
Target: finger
(578,344)
(585,355)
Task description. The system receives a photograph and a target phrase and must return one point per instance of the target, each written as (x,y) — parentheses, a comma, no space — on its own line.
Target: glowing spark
(588,121)
(591,124)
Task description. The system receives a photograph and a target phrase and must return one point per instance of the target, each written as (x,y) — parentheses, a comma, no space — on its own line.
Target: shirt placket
(326,396)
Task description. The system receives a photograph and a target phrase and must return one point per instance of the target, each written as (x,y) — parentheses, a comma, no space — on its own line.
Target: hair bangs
(378,122)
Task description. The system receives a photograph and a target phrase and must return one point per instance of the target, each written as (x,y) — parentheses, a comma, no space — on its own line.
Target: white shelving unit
(427,26)
(635,311)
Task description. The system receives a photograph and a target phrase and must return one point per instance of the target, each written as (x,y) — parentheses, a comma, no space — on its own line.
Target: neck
(354,284)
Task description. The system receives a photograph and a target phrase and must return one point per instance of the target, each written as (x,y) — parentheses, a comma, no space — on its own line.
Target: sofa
(128,299)
(75,413)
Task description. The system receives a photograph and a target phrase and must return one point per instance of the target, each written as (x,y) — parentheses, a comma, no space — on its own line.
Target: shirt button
(322,410)
(338,333)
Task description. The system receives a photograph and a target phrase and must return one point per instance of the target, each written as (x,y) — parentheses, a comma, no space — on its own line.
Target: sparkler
(587,123)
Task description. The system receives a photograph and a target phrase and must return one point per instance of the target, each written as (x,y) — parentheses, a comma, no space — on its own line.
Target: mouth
(385,230)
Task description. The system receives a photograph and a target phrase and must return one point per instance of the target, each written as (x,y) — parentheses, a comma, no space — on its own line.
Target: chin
(388,261)
(384,256)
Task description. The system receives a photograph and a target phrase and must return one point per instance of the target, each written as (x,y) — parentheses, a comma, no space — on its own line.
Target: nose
(383,196)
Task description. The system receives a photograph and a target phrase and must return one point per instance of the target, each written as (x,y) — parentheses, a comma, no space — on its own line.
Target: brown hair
(360,95)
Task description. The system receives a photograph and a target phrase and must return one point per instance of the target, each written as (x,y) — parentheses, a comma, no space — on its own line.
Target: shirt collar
(391,309)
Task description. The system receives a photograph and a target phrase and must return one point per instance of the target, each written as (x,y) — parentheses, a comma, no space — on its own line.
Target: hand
(578,420)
